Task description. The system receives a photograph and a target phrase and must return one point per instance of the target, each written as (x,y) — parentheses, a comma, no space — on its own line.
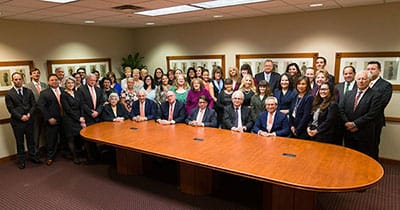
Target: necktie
(236,117)
(200,116)
(270,122)
(38,87)
(171,113)
(141,109)
(20,92)
(93,94)
(347,87)
(357,99)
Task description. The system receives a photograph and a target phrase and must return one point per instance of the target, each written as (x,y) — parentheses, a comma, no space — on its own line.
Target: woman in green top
(180,88)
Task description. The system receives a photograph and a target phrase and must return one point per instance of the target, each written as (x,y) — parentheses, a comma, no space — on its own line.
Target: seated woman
(113,110)
(202,115)
(325,114)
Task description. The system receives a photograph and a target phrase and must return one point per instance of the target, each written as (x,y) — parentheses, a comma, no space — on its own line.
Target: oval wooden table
(292,170)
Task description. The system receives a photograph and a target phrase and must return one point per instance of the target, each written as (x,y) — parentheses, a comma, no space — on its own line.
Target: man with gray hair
(171,111)
(237,117)
(142,109)
(271,122)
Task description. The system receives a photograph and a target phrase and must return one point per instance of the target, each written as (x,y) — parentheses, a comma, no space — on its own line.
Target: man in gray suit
(36,86)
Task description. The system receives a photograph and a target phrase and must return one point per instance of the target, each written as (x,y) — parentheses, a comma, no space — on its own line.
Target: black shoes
(21,164)
(36,161)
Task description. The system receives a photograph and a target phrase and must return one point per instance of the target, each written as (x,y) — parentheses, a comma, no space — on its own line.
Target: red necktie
(171,112)
(38,87)
(357,99)
(141,109)
(270,122)
(93,94)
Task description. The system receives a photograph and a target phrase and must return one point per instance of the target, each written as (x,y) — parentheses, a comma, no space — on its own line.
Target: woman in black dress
(72,120)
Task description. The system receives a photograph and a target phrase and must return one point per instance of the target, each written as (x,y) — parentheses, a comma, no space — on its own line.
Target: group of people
(303,104)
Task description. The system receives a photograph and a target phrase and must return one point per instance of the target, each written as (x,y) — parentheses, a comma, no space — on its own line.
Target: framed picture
(281,61)
(103,65)
(390,64)
(209,62)
(8,68)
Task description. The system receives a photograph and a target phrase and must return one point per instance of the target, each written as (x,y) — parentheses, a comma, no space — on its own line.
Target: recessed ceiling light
(150,23)
(225,3)
(218,16)
(316,5)
(89,21)
(168,10)
(60,1)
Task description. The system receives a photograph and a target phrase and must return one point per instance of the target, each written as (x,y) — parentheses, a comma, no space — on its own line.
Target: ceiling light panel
(168,10)
(225,3)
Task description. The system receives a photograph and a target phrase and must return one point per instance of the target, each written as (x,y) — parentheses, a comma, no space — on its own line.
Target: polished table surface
(299,164)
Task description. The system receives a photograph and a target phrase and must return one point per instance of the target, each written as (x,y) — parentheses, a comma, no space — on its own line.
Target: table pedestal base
(129,162)
(195,180)
(285,198)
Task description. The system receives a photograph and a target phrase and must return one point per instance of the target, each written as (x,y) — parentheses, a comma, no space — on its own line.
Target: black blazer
(87,104)
(303,115)
(273,80)
(285,101)
(179,114)
(384,88)
(327,121)
(209,117)
(72,113)
(49,106)
(340,90)
(18,106)
(149,109)
(229,118)
(108,115)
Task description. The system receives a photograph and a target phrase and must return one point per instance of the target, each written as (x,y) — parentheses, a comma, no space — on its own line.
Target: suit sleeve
(332,116)
(12,107)
(259,124)
(213,119)
(373,111)
(32,102)
(227,119)
(285,130)
(67,108)
(42,102)
(306,116)
(106,115)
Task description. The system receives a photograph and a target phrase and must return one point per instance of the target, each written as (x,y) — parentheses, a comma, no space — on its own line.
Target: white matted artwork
(8,68)
(280,61)
(103,65)
(209,62)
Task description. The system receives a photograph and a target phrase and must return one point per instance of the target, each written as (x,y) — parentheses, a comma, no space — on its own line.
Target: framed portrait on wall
(7,68)
(209,62)
(103,65)
(390,64)
(281,61)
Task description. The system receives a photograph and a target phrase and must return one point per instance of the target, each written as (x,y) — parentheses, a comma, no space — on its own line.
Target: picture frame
(7,68)
(280,60)
(390,64)
(103,65)
(207,61)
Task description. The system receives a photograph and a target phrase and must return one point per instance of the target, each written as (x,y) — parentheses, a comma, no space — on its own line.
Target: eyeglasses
(324,89)
(202,102)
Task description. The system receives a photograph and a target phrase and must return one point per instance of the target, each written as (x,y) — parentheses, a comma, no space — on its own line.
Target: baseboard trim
(389,161)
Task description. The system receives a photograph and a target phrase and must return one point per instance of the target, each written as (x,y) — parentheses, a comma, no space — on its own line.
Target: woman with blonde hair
(180,88)
(234,76)
(248,88)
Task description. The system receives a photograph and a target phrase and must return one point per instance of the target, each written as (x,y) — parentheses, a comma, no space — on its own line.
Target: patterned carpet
(67,186)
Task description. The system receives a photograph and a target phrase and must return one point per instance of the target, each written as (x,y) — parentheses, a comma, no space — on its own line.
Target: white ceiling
(103,14)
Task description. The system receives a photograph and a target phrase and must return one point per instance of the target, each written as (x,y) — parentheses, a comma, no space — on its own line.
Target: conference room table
(292,170)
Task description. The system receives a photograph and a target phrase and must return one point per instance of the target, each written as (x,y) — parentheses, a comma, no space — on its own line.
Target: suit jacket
(229,118)
(273,80)
(327,121)
(257,106)
(18,106)
(384,88)
(149,109)
(48,104)
(340,90)
(31,86)
(72,113)
(280,125)
(179,114)
(303,115)
(108,115)
(285,101)
(209,117)
(87,104)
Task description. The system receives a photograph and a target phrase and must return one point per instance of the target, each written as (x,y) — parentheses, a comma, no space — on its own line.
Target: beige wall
(359,29)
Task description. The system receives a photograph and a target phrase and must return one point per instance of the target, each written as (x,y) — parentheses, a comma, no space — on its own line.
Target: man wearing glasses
(237,117)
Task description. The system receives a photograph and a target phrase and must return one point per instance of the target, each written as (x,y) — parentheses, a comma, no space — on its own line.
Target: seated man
(202,115)
(143,109)
(237,117)
(271,122)
(171,111)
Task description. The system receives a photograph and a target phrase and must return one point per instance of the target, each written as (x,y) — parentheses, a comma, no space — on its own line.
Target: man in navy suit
(359,111)
(50,105)
(143,109)
(21,104)
(237,117)
(171,110)
(384,88)
(202,116)
(271,122)
(268,75)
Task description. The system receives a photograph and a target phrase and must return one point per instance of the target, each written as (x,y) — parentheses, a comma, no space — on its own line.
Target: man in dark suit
(237,117)
(349,73)
(50,105)
(202,115)
(359,111)
(36,86)
(143,109)
(171,111)
(268,75)
(271,122)
(21,104)
(92,100)
(384,88)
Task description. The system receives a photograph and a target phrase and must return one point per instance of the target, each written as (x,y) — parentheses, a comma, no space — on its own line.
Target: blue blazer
(303,115)
(285,101)
(280,125)
(149,109)
(179,114)
(209,117)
